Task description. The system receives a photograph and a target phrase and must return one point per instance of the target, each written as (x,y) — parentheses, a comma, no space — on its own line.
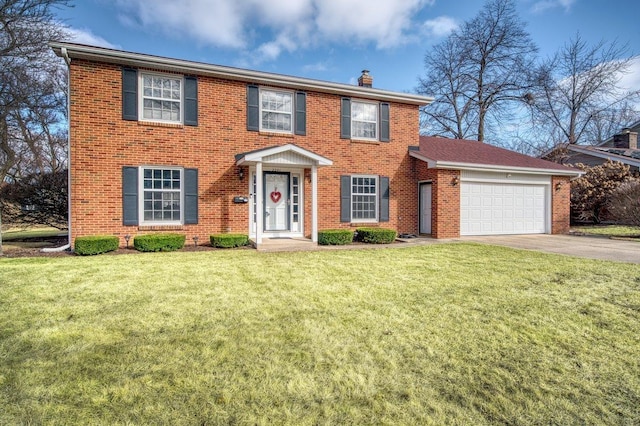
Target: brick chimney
(365,80)
(626,139)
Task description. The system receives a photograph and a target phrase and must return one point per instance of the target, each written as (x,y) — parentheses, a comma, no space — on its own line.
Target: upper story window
(161,98)
(364,120)
(276,111)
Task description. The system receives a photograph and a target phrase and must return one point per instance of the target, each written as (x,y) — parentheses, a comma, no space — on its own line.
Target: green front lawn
(442,334)
(608,230)
(21,234)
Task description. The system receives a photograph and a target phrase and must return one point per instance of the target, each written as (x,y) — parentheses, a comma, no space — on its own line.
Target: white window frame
(290,113)
(376,196)
(141,199)
(142,97)
(377,120)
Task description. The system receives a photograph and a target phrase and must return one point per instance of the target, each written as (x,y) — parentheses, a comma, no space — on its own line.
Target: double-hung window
(364,120)
(161,98)
(276,111)
(364,198)
(161,195)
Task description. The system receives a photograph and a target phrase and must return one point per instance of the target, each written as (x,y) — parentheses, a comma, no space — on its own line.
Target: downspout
(67,59)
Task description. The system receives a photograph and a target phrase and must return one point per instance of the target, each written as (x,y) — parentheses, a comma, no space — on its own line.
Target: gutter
(452,165)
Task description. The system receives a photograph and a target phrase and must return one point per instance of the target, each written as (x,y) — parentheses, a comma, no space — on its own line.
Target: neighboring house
(167,145)
(622,147)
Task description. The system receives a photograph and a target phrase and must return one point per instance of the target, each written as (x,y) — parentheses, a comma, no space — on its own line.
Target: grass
(18,238)
(609,230)
(20,234)
(442,334)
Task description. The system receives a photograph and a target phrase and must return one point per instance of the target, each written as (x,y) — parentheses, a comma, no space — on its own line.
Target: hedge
(158,242)
(375,235)
(95,244)
(335,237)
(229,240)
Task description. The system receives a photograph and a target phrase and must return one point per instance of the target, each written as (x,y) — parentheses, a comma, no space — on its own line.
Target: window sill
(370,142)
(160,124)
(160,227)
(364,224)
(276,134)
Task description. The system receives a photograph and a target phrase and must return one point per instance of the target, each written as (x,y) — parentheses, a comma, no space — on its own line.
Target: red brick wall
(560,204)
(102,143)
(445,200)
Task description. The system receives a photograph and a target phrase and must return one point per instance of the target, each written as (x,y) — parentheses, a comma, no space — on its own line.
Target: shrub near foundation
(229,240)
(375,235)
(96,244)
(335,237)
(158,242)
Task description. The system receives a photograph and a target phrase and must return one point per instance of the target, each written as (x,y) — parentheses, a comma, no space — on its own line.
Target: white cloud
(544,5)
(384,22)
(441,26)
(318,66)
(85,36)
(280,25)
(630,81)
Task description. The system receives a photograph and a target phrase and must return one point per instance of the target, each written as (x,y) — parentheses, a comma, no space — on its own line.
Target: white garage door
(499,208)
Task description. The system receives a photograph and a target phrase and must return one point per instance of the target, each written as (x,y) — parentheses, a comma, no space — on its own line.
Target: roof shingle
(469,152)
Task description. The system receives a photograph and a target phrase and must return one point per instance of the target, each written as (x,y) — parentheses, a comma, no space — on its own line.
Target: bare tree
(477,72)
(32,94)
(576,92)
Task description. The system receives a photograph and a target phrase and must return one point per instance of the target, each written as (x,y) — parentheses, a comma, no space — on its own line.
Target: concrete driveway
(572,245)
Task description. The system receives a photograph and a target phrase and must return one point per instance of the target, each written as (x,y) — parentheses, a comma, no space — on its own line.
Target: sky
(334,40)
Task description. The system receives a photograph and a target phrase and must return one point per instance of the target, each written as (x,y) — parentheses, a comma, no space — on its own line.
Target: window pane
(162,195)
(364,120)
(276,110)
(161,98)
(363,198)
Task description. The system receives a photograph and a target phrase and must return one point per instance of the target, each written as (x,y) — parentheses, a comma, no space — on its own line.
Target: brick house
(621,147)
(160,144)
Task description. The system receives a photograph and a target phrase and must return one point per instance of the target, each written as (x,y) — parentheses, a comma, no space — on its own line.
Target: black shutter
(190,196)
(384,122)
(345,118)
(253,108)
(384,199)
(129,195)
(301,113)
(191,101)
(345,198)
(129,94)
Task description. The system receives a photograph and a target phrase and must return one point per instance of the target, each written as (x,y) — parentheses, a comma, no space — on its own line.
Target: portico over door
(275,188)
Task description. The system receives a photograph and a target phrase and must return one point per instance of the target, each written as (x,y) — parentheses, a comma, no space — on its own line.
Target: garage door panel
(497,208)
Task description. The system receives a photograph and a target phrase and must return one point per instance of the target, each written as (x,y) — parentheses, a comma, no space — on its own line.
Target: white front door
(276,201)
(425,208)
